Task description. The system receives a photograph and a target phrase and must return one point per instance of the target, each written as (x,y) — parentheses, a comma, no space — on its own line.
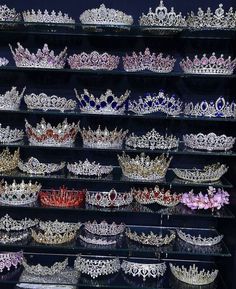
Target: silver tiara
(88,168)
(13,237)
(33,166)
(58,227)
(10,259)
(10,100)
(9,224)
(104,228)
(210,173)
(209,142)
(144,270)
(152,140)
(106,103)
(7,14)
(97,241)
(193,275)
(9,135)
(218,108)
(45,102)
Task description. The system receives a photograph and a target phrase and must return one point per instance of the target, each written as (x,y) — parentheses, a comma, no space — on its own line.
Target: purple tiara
(10,259)
(148,61)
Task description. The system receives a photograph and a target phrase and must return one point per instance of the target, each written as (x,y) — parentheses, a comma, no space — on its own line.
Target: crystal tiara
(9,161)
(10,259)
(143,167)
(208,65)
(13,237)
(93,61)
(159,102)
(43,58)
(9,135)
(103,138)
(209,142)
(193,275)
(96,242)
(9,224)
(45,134)
(210,173)
(106,103)
(58,227)
(148,61)
(45,102)
(11,99)
(7,14)
(104,228)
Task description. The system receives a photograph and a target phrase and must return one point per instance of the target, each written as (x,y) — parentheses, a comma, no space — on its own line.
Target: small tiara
(11,99)
(8,161)
(143,270)
(93,61)
(210,173)
(13,237)
(100,138)
(58,227)
(160,102)
(152,140)
(213,199)
(3,61)
(10,259)
(43,58)
(148,61)
(219,108)
(211,65)
(97,241)
(104,229)
(44,102)
(193,275)
(106,103)
(9,224)
(45,134)
(143,167)
(33,166)
(9,135)
(209,142)
(7,14)
(109,199)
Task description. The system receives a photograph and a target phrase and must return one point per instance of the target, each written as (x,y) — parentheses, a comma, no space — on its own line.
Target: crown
(213,199)
(8,135)
(11,99)
(8,161)
(7,14)
(43,58)
(109,199)
(58,227)
(217,20)
(218,108)
(103,138)
(211,65)
(210,141)
(97,241)
(45,134)
(3,61)
(160,102)
(9,224)
(152,140)
(44,102)
(143,167)
(106,103)
(17,194)
(103,228)
(192,275)
(209,173)
(13,237)
(10,259)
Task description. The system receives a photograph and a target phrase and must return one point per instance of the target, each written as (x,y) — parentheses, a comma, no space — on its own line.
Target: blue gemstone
(92,103)
(114,104)
(220,103)
(103,104)
(86,98)
(110,99)
(83,103)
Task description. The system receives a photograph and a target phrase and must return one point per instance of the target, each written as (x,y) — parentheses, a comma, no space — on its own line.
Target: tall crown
(43,58)
(11,99)
(143,168)
(7,14)
(8,161)
(9,135)
(45,134)
(106,103)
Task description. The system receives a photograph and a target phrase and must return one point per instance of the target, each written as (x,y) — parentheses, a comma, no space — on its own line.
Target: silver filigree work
(198,240)
(10,135)
(10,100)
(104,228)
(9,224)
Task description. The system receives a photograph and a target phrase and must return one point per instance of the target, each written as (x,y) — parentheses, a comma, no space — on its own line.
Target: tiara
(13,237)
(143,168)
(210,173)
(213,199)
(44,58)
(44,102)
(33,166)
(210,141)
(211,65)
(11,99)
(103,228)
(160,102)
(9,135)
(219,108)
(8,161)
(192,275)
(97,241)
(7,14)
(143,270)
(3,61)
(10,259)
(152,140)
(97,267)
(147,61)
(217,20)
(156,195)
(103,138)
(58,227)
(93,61)
(17,194)
(109,199)
(106,103)
(9,224)
(45,134)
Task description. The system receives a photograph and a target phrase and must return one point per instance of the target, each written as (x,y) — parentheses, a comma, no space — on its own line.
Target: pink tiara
(148,61)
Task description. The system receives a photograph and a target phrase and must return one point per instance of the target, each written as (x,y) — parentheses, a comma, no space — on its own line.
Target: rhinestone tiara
(9,161)
(143,167)
(7,14)
(45,134)
(11,99)
(10,259)
(9,224)
(209,173)
(208,65)
(43,58)
(58,227)
(97,241)
(106,103)
(104,228)
(44,102)
(9,135)
(193,275)
(148,61)
(13,237)
(159,102)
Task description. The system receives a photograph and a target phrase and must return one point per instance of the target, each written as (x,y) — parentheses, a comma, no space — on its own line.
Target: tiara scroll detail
(9,135)
(11,99)
(9,161)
